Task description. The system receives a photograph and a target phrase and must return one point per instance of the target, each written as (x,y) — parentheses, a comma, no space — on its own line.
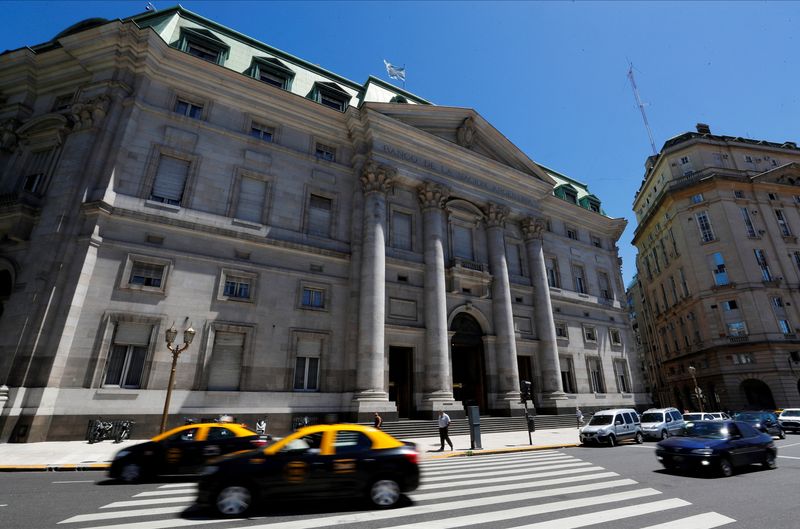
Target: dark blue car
(717,445)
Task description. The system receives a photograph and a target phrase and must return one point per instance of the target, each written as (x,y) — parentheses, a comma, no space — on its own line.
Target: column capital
(377,177)
(432,195)
(532,227)
(496,215)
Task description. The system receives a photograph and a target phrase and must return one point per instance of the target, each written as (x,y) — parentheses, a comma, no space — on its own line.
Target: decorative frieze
(8,136)
(466,133)
(432,195)
(376,177)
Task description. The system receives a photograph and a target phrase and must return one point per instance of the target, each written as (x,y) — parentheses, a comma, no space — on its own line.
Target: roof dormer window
(330,95)
(203,44)
(272,71)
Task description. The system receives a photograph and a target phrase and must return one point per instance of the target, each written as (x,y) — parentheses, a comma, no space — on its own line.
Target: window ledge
(141,288)
(161,205)
(316,309)
(247,224)
(237,300)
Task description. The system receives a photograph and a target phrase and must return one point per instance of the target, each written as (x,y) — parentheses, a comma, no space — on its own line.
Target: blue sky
(551,76)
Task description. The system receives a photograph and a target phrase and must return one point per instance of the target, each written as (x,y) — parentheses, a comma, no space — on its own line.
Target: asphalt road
(573,487)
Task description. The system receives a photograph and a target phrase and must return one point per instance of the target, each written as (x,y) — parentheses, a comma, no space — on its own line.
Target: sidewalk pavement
(80,455)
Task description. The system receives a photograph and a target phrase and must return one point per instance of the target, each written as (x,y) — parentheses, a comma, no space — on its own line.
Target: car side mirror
(617,422)
(669,419)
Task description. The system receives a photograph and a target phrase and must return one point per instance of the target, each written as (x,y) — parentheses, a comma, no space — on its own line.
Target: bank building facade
(338,248)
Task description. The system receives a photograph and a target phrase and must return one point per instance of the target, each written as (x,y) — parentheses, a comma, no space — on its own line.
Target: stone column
(550,369)
(438,385)
(376,181)
(506,345)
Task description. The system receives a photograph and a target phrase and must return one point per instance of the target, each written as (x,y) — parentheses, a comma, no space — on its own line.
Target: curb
(55,468)
(472,453)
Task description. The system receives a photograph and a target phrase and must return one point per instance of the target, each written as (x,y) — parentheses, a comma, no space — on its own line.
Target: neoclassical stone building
(339,248)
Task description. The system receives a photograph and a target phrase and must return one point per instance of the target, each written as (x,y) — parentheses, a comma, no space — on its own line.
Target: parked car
(332,460)
(766,421)
(719,415)
(612,426)
(660,423)
(789,420)
(698,416)
(182,450)
(720,445)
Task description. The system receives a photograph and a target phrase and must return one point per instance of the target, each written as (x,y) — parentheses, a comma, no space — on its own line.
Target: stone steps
(409,428)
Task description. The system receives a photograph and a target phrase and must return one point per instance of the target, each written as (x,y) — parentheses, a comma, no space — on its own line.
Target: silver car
(612,426)
(660,423)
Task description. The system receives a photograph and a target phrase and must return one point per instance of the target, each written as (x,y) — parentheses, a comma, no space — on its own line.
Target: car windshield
(706,430)
(790,413)
(652,417)
(748,416)
(693,416)
(600,420)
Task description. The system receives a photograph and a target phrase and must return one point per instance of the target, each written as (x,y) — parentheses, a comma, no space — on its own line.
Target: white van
(660,423)
(612,426)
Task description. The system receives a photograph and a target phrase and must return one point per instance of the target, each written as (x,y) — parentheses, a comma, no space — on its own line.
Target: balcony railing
(470,265)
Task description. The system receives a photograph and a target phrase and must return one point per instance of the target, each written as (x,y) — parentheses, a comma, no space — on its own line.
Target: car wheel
(130,473)
(725,468)
(664,434)
(384,493)
(612,441)
(770,462)
(234,500)
(639,439)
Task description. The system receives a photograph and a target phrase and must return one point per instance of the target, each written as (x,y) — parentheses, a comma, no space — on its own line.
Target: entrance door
(525,371)
(467,358)
(400,379)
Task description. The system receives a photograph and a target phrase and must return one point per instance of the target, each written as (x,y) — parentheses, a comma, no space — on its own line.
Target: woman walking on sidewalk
(444,422)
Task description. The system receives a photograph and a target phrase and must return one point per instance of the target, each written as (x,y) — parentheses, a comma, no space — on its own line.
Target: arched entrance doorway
(758,395)
(466,349)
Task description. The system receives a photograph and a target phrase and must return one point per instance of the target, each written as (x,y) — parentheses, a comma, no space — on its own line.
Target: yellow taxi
(332,460)
(182,450)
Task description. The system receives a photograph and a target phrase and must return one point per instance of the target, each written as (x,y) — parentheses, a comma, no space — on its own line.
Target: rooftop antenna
(641,106)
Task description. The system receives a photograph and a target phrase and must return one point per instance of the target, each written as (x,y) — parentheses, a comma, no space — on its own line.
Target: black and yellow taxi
(182,450)
(322,461)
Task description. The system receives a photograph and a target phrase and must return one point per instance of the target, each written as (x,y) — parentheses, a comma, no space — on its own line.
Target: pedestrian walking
(444,423)
(378,421)
(579,416)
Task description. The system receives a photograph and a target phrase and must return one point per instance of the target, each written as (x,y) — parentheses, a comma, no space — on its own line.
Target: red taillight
(411,456)
(258,443)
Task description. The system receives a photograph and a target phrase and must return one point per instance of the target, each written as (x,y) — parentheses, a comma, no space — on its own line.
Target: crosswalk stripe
(110,515)
(532,510)
(346,518)
(167,492)
(594,518)
(480,462)
(510,486)
(540,473)
(471,468)
(490,459)
(508,472)
(178,485)
(707,520)
(154,501)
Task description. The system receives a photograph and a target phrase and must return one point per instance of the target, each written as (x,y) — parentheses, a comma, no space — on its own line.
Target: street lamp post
(176,350)
(697,391)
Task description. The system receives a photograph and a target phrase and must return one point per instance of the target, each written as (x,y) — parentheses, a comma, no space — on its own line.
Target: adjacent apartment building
(340,248)
(718,263)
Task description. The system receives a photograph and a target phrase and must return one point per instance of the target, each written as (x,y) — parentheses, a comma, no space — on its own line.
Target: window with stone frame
(224,369)
(320,211)
(325,152)
(567,374)
(704,225)
(783,224)
(147,274)
(761,259)
(251,200)
(594,368)
(463,242)
(572,232)
(169,183)
(621,376)
(718,269)
(553,276)
(272,72)
(36,171)
(203,44)
(262,132)
(605,285)
(237,285)
(614,336)
(579,278)
(748,223)
(562,330)
(590,333)
(308,351)
(187,108)
(313,296)
(402,229)
(126,359)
